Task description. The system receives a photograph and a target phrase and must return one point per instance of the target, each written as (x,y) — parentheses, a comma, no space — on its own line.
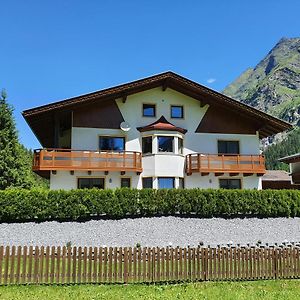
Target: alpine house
(164,131)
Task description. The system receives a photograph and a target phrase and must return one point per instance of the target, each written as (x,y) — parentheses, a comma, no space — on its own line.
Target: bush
(41,205)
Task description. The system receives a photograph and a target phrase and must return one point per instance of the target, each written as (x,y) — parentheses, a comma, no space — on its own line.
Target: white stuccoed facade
(159,164)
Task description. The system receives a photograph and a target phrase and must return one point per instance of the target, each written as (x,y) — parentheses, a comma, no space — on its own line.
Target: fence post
(153,264)
(275,261)
(125,265)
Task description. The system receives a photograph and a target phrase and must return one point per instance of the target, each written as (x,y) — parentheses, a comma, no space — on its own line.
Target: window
(228,147)
(108,143)
(181,183)
(147,144)
(125,182)
(89,183)
(180,146)
(149,110)
(165,143)
(166,182)
(230,183)
(147,183)
(176,111)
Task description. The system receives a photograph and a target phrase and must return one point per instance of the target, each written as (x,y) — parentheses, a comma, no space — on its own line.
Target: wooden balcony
(224,163)
(84,160)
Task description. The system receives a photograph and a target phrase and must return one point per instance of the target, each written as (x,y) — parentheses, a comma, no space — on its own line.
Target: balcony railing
(66,159)
(221,163)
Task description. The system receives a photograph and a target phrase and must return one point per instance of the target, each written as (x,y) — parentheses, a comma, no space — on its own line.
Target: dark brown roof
(266,124)
(290,158)
(161,124)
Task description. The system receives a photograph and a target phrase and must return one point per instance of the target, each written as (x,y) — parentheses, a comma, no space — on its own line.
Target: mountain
(273,86)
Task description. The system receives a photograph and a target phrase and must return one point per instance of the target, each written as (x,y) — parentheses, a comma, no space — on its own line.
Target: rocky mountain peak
(273,85)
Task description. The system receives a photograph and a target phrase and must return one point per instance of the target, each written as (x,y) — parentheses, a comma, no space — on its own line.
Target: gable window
(147,144)
(89,183)
(147,183)
(228,147)
(109,143)
(166,182)
(165,143)
(149,110)
(230,184)
(125,182)
(180,146)
(176,111)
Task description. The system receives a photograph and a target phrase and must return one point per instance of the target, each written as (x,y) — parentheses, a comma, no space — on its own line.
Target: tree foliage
(15,160)
(289,145)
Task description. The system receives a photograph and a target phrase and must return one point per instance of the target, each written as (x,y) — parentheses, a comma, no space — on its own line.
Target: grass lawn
(281,289)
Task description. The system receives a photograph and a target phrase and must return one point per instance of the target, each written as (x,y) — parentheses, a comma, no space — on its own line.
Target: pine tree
(13,165)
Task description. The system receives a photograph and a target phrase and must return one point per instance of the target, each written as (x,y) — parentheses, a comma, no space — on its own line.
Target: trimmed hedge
(19,204)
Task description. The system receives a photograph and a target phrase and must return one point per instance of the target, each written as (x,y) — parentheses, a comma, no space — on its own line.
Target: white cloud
(211,80)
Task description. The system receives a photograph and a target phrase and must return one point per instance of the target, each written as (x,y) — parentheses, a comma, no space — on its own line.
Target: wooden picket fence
(61,265)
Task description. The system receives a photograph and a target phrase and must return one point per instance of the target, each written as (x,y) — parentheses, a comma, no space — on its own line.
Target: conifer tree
(13,169)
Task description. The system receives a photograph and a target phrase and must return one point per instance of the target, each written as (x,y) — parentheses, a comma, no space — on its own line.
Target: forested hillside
(289,145)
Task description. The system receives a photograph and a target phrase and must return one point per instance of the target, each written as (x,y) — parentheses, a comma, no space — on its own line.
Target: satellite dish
(125,126)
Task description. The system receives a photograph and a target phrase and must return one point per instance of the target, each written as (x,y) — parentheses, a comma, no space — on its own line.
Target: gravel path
(158,231)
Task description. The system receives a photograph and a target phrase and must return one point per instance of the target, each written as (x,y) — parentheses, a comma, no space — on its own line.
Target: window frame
(111,136)
(228,179)
(145,137)
(147,177)
(165,177)
(125,177)
(173,143)
(228,141)
(182,111)
(178,141)
(150,104)
(93,177)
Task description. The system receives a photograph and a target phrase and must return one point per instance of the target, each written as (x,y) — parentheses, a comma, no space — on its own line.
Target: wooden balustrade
(221,163)
(66,159)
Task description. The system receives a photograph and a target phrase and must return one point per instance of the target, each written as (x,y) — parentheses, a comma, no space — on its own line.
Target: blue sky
(51,50)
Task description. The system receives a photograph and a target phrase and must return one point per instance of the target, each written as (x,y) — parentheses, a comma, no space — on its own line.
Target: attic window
(176,111)
(149,110)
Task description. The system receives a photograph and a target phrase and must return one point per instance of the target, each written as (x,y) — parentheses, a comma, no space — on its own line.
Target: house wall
(64,180)
(193,114)
(160,164)
(212,182)
(295,167)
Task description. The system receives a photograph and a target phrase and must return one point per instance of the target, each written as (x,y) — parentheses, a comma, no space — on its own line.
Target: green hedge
(18,204)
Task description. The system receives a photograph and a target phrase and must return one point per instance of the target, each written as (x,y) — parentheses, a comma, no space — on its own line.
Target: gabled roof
(290,158)
(161,124)
(266,125)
